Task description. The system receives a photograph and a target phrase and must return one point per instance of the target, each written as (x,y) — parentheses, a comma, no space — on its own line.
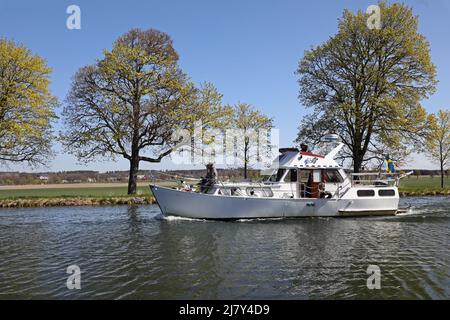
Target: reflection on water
(134,252)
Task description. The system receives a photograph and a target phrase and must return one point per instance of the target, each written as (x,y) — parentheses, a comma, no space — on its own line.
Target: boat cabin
(302,174)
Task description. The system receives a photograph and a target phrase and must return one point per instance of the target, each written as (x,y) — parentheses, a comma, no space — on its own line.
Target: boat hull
(205,206)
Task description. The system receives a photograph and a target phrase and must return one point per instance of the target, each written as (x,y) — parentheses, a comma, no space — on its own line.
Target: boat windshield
(332,176)
(277,176)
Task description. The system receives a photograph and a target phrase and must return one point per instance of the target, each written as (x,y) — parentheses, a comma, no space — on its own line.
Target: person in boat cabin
(316,182)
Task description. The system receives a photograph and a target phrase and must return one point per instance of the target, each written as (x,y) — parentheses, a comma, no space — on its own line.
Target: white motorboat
(304,185)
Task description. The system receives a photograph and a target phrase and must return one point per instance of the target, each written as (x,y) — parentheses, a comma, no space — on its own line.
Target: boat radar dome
(330,137)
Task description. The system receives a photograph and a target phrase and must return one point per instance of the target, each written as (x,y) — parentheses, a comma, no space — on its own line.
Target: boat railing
(246,190)
(307,191)
(342,188)
(377,179)
(265,191)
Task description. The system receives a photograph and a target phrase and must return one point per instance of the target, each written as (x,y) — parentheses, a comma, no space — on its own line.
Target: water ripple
(136,253)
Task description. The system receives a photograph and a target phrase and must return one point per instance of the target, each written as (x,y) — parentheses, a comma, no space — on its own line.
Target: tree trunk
(134,161)
(357,162)
(442,175)
(245,170)
(245,160)
(134,168)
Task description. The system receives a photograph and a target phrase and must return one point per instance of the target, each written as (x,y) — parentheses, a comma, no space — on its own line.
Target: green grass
(72,192)
(413,183)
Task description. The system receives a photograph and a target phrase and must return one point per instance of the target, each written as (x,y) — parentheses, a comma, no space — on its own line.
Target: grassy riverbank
(73,195)
(116,194)
(92,192)
(424,186)
(73,201)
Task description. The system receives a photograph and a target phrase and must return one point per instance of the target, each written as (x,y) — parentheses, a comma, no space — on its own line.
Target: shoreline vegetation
(74,202)
(71,195)
(109,194)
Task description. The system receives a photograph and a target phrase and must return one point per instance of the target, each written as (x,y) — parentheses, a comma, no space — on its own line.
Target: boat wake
(260,219)
(432,212)
(177,218)
(409,212)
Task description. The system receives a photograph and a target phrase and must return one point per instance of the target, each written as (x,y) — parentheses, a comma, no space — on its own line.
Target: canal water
(135,253)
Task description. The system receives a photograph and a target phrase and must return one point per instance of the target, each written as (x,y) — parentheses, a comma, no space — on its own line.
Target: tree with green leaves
(26,106)
(210,116)
(438,141)
(366,84)
(250,122)
(129,103)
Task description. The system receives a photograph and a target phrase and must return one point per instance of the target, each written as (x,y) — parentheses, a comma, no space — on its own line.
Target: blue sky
(248,49)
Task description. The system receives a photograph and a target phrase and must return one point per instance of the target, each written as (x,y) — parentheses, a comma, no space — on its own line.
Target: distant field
(413,183)
(64,191)
(72,192)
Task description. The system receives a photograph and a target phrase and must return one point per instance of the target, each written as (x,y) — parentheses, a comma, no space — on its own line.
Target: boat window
(304,175)
(259,192)
(224,191)
(317,177)
(236,191)
(366,193)
(332,176)
(291,176)
(278,176)
(281,157)
(386,193)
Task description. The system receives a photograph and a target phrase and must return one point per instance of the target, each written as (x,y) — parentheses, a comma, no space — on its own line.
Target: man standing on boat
(210,179)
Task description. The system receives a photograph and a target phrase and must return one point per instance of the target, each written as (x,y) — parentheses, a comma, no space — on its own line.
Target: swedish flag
(389,165)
